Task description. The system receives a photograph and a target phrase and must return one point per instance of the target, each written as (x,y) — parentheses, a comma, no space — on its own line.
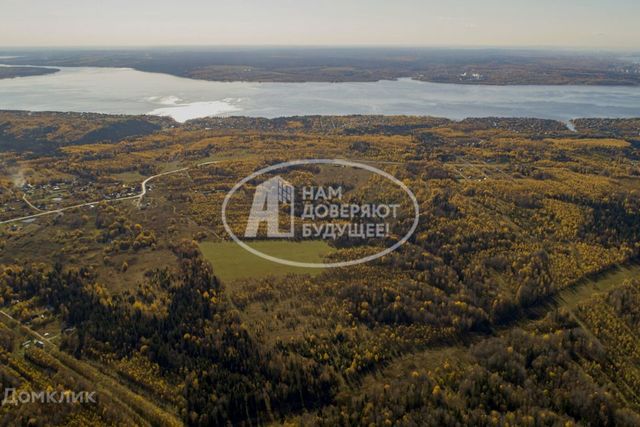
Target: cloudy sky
(557,23)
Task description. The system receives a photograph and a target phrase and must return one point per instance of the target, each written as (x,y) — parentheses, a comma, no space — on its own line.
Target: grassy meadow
(230,261)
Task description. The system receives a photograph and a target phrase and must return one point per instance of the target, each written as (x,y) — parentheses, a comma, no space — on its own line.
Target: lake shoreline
(14,72)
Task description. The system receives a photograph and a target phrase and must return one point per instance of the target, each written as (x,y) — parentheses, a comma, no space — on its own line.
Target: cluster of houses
(73,188)
(40,344)
(126,191)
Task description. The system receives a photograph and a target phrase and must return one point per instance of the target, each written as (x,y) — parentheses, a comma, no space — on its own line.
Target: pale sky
(539,23)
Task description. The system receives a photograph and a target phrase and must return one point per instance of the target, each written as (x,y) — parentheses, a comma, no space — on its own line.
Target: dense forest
(514,302)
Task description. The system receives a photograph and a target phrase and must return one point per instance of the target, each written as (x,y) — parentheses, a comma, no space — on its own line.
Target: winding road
(139,197)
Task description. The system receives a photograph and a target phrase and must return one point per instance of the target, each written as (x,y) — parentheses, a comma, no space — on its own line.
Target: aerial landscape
(326,224)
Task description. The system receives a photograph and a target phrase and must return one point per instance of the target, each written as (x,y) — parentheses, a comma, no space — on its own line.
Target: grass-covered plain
(231,261)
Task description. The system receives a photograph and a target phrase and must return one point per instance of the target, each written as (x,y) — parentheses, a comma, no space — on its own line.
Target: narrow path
(31,205)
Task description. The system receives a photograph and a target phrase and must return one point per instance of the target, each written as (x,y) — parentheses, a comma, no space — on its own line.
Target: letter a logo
(266,208)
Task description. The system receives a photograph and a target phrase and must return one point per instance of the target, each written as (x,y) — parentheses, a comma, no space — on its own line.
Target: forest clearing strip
(135,405)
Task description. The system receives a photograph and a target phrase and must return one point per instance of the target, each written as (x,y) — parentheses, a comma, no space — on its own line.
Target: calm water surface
(126,91)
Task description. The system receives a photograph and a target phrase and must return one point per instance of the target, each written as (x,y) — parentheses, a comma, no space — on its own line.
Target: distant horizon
(328,46)
(591,24)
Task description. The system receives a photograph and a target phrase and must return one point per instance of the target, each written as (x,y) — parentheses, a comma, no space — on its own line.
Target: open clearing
(230,261)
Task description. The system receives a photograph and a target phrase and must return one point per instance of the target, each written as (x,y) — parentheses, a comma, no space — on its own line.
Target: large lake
(127,91)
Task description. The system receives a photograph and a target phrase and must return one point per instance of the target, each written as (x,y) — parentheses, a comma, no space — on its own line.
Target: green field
(230,261)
